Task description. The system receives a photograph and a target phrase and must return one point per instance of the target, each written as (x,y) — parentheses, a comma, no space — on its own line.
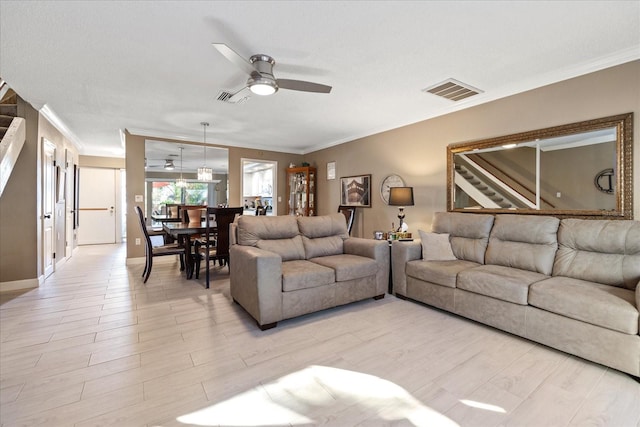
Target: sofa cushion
(322,246)
(302,274)
(496,281)
(443,273)
(601,305)
(526,242)
(288,249)
(277,234)
(254,228)
(599,251)
(323,235)
(436,246)
(348,267)
(323,226)
(469,233)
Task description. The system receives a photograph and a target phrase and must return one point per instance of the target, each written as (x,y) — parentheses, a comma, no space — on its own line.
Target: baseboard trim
(17,285)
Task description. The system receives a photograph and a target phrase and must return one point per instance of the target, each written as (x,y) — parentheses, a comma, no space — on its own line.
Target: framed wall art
(331,170)
(356,191)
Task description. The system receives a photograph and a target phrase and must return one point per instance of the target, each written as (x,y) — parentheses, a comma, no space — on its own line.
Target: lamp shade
(401,196)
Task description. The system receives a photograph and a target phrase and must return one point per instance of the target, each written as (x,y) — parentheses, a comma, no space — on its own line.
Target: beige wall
(418,152)
(102,162)
(20,204)
(235,173)
(134,165)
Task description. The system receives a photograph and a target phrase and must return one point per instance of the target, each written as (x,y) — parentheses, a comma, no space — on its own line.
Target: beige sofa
(570,284)
(284,266)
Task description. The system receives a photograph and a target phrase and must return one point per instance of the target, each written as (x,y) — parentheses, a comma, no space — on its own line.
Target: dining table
(183,233)
(165,218)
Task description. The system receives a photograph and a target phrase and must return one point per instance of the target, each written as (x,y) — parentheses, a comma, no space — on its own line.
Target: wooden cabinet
(301,190)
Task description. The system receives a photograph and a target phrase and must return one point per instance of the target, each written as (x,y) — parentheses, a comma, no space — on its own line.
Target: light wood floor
(94,346)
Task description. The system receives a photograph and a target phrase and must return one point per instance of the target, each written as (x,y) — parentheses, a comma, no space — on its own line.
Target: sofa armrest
(377,250)
(256,282)
(401,253)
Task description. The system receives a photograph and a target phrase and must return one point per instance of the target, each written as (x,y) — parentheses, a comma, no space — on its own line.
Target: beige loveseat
(284,266)
(570,284)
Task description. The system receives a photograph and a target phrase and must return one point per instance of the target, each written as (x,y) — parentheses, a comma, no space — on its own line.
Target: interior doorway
(48,207)
(259,186)
(98,207)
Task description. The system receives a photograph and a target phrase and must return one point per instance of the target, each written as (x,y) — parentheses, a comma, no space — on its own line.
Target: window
(163,192)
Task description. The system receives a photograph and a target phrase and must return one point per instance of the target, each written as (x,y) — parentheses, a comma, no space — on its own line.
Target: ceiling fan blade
(240,96)
(238,60)
(303,86)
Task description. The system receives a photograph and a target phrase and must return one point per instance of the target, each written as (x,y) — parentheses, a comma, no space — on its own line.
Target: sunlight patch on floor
(485,406)
(294,398)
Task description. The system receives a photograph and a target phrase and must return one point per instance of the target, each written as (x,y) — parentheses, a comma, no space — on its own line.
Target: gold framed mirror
(580,169)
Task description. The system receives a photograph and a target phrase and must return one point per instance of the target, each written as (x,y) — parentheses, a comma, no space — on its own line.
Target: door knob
(48,216)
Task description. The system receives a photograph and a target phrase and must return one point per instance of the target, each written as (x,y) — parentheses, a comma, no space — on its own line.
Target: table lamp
(401,196)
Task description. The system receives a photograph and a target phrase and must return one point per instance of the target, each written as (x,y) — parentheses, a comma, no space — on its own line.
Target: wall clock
(387,183)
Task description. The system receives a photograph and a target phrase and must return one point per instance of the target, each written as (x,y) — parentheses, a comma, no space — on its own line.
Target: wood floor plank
(95,346)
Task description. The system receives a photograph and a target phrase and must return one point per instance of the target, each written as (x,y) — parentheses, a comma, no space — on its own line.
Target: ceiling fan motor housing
(257,82)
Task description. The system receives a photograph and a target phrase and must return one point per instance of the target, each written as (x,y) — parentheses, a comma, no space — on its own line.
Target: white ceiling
(148,66)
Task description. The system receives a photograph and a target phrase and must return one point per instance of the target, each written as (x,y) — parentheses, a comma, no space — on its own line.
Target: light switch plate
(139,198)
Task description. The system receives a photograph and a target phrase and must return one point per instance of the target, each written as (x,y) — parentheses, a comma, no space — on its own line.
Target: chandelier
(205,173)
(181,182)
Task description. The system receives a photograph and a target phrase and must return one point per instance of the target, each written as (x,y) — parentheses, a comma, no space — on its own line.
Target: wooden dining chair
(151,251)
(261,210)
(349,213)
(215,250)
(189,213)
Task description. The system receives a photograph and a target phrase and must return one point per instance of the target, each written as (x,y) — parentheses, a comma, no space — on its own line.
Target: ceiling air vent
(452,89)
(224,96)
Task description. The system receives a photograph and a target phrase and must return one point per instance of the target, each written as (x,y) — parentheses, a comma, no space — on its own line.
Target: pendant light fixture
(205,173)
(181,182)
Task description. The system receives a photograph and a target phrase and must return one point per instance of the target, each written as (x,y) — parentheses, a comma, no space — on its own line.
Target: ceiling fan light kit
(168,165)
(262,86)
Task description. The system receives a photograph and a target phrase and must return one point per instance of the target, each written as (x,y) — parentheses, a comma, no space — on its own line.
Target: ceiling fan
(167,165)
(261,79)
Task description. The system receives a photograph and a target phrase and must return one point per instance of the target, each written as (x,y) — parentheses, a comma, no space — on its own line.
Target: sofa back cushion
(277,234)
(527,242)
(600,251)
(323,235)
(468,233)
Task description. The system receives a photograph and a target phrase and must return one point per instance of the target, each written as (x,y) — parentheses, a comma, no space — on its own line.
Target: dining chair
(261,210)
(193,214)
(151,251)
(189,211)
(215,249)
(349,213)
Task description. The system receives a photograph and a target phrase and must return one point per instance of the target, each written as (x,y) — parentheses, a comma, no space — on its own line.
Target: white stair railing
(497,183)
(10,147)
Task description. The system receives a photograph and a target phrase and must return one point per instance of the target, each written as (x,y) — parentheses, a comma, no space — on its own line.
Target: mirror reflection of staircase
(478,187)
(483,188)
(8,108)
(12,132)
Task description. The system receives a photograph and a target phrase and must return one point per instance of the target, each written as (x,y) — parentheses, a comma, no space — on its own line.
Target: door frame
(48,147)
(274,194)
(117,203)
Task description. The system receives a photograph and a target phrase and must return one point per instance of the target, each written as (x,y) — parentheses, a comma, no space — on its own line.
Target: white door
(97,206)
(48,206)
